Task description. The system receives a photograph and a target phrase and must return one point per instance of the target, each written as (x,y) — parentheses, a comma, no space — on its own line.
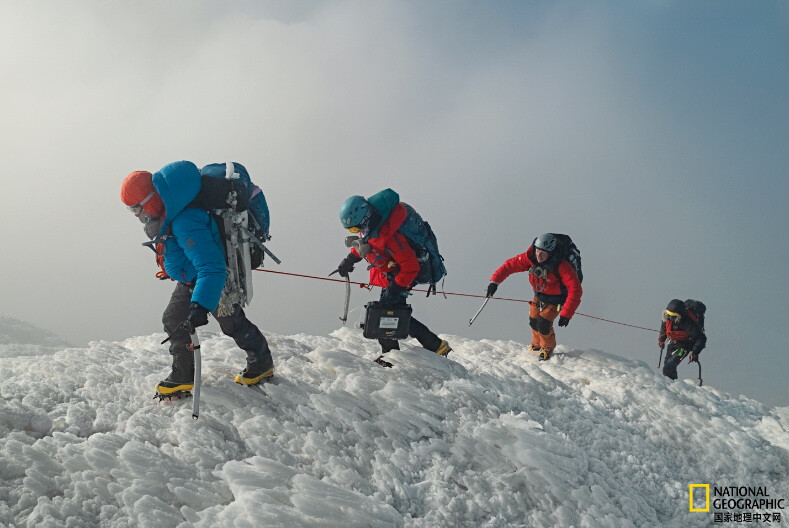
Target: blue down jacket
(193,250)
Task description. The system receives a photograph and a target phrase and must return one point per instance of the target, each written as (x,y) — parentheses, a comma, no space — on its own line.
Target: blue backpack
(424,243)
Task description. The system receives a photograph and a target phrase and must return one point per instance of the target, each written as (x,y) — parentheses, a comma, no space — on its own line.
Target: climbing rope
(370,287)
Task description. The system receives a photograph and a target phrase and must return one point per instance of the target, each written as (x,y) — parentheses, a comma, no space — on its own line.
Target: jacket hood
(177,184)
(383,202)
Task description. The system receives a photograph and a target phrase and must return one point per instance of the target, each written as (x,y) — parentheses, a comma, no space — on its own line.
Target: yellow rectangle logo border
(706,495)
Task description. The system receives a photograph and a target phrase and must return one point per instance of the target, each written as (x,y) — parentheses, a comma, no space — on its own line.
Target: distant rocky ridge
(19,338)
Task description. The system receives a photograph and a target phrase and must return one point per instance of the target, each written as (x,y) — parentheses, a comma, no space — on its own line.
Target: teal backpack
(424,243)
(419,235)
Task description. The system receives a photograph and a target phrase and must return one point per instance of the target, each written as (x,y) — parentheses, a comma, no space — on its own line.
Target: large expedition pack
(241,212)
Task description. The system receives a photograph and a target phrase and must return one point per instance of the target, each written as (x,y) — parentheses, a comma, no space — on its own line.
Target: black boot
(388,344)
(182,375)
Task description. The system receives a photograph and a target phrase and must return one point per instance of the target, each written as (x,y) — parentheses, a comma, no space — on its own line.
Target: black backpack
(567,250)
(696,310)
(218,193)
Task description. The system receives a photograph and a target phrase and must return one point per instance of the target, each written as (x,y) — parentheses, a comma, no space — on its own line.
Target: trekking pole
(660,360)
(471,321)
(701,381)
(197,376)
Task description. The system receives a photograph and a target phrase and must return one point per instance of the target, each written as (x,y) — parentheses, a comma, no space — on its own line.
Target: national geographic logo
(736,503)
(706,488)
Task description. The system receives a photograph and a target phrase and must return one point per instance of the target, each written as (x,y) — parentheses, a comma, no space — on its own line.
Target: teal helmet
(354,211)
(546,242)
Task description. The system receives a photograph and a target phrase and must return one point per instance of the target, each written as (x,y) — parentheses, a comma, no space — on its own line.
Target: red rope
(369,287)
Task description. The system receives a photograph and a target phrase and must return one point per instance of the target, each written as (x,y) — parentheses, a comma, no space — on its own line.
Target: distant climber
(682,333)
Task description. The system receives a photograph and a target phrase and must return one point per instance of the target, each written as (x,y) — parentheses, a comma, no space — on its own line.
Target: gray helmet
(546,242)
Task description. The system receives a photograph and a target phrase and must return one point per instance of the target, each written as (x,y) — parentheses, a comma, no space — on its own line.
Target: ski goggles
(360,229)
(671,316)
(138,210)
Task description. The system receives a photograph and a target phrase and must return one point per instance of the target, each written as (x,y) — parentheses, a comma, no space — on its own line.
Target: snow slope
(490,437)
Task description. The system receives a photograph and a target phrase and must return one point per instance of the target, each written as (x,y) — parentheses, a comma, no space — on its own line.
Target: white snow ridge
(488,438)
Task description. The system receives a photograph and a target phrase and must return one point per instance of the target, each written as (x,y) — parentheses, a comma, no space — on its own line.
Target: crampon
(381,361)
(177,395)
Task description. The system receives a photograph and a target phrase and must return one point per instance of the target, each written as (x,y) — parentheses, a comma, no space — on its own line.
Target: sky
(338,441)
(654,133)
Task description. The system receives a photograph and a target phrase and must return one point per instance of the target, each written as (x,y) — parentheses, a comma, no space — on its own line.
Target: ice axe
(197,376)
(471,321)
(344,316)
(701,381)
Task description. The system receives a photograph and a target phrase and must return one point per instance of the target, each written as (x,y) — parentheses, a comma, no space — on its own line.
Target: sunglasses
(354,229)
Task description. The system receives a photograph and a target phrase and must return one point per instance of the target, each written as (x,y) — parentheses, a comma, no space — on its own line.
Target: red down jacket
(391,253)
(560,286)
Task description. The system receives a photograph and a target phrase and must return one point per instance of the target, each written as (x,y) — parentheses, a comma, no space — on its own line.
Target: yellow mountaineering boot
(533,348)
(168,389)
(444,349)
(181,378)
(545,353)
(251,377)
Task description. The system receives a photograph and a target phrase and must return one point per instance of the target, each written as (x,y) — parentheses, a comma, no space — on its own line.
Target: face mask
(353,241)
(675,318)
(153,228)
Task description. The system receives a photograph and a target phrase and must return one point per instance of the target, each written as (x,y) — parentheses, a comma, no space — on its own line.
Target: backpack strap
(161,274)
(431,288)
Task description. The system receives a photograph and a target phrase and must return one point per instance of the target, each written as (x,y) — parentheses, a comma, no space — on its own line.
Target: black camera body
(384,321)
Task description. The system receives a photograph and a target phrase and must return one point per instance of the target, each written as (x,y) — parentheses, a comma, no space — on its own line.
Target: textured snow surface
(490,437)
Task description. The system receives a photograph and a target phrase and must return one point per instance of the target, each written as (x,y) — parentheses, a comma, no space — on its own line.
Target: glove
(694,357)
(393,294)
(661,346)
(198,316)
(492,287)
(346,265)
(564,321)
